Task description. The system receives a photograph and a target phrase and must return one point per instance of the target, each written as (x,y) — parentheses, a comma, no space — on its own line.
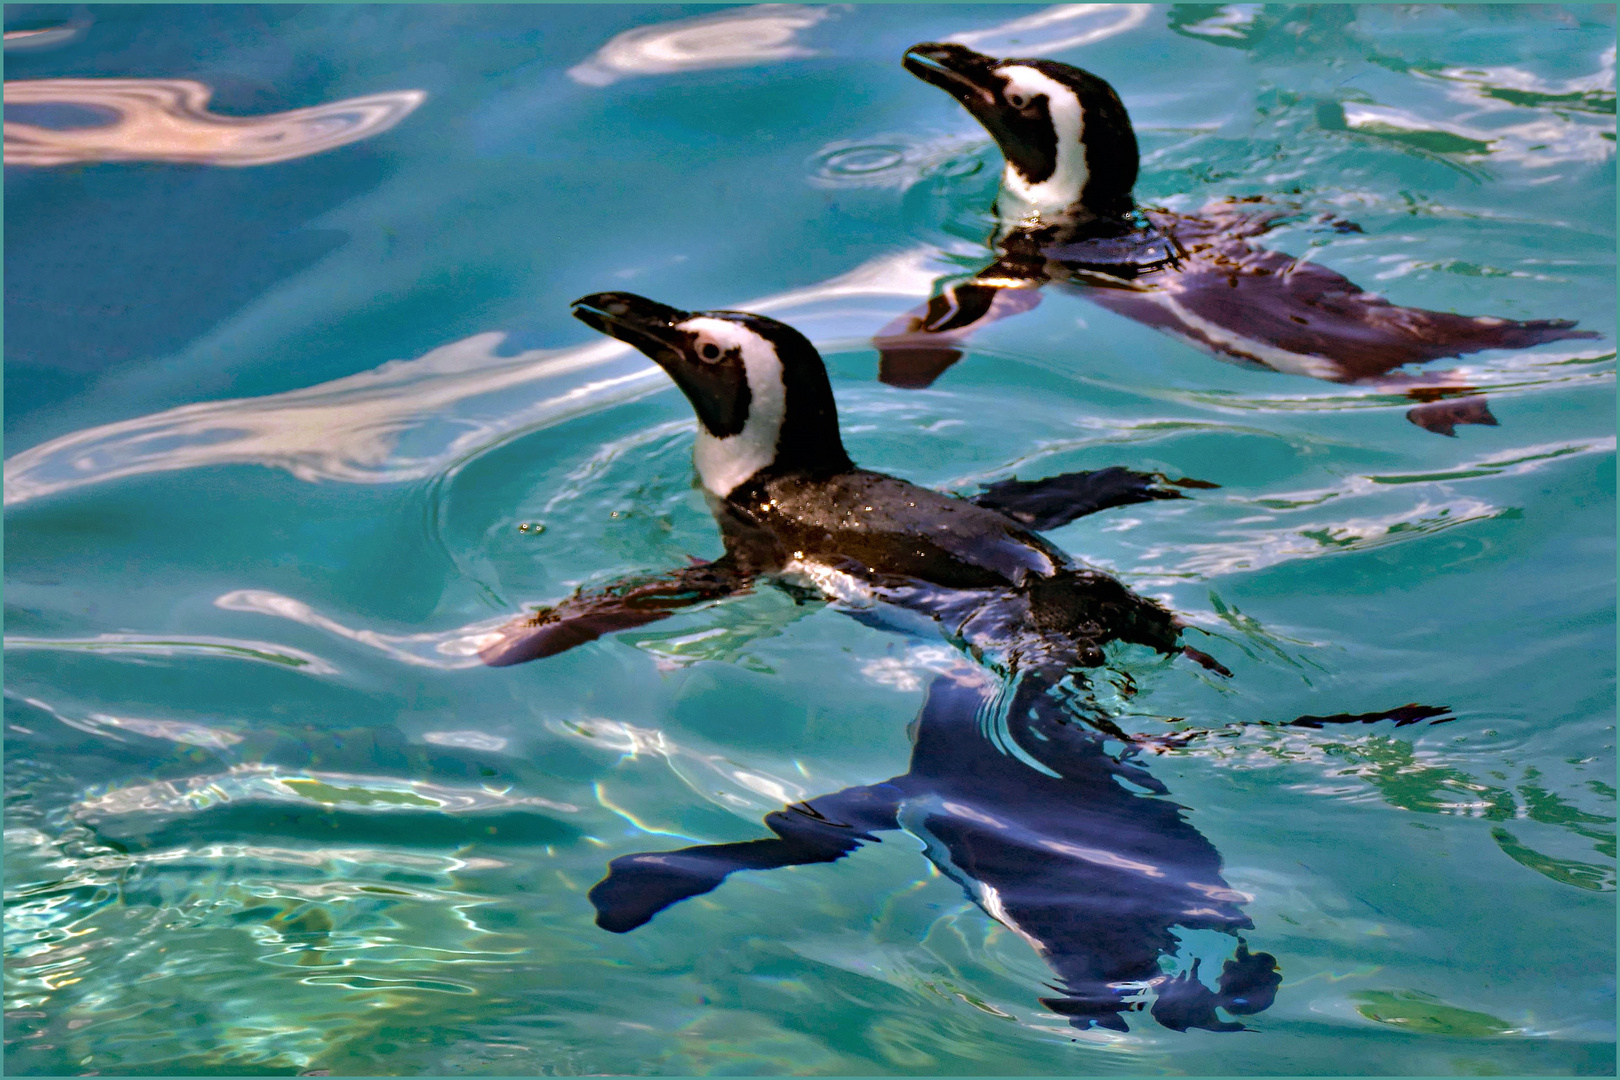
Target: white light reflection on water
(168,120)
(447,650)
(1060,27)
(744,790)
(446,406)
(180,731)
(746,36)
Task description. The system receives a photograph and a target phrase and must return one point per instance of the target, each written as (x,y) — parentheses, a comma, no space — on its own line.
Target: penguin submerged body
(1066,216)
(1095,874)
(793,508)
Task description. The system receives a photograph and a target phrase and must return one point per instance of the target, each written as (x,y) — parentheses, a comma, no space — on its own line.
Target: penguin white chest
(1070,174)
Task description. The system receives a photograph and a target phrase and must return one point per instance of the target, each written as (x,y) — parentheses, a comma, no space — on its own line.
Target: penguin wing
(587,615)
(1057,500)
(1297,316)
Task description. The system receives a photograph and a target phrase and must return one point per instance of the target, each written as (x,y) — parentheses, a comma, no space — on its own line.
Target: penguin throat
(1062,192)
(724,463)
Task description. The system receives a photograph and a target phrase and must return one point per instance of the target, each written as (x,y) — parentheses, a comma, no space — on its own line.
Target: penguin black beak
(635,320)
(718,390)
(956,69)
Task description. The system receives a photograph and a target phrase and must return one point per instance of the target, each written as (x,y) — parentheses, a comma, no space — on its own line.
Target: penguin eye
(709,351)
(1016,100)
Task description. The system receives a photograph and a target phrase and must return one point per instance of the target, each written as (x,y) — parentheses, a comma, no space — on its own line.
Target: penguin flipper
(587,615)
(1058,500)
(637,887)
(1259,306)
(1406,714)
(917,348)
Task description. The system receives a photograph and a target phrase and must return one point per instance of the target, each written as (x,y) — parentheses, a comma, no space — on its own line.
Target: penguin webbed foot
(624,605)
(1443,416)
(1055,501)
(1248,985)
(637,887)
(1185,1002)
(1206,661)
(1249,981)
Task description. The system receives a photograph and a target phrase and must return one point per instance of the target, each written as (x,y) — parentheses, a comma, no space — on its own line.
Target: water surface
(276,420)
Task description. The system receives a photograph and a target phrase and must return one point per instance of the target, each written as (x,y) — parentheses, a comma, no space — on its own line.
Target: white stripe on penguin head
(1063,188)
(722,464)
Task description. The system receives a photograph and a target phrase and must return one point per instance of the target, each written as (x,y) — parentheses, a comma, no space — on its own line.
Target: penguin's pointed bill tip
(610,312)
(956,69)
(635,320)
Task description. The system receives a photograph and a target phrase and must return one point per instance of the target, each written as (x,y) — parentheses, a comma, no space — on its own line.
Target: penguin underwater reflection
(1066,214)
(1051,835)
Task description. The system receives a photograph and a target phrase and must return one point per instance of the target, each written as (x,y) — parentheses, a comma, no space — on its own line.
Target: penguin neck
(727,471)
(726,464)
(1083,175)
(1058,198)
(1022,206)
(791,429)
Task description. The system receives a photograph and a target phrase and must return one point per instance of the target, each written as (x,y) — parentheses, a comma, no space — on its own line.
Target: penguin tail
(1509,334)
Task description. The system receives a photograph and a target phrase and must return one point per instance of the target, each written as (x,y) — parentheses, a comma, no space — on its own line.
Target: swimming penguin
(1019,803)
(793,508)
(1092,875)
(1065,214)
(1056,842)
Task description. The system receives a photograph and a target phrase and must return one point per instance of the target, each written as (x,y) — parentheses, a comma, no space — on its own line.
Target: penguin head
(1067,139)
(759,388)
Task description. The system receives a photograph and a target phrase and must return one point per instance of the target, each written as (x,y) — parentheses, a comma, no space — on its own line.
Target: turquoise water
(276,420)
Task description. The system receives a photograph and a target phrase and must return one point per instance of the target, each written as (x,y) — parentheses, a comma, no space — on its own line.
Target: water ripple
(1264,548)
(447,650)
(180,731)
(894,160)
(743,790)
(138,645)
(264,783)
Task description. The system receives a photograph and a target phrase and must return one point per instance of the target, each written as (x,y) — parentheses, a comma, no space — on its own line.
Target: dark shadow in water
(1050,838)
